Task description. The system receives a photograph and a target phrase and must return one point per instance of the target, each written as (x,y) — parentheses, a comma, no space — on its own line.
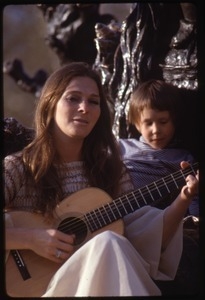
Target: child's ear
(138,127)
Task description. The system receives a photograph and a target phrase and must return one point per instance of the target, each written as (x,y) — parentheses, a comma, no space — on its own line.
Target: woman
(74,149)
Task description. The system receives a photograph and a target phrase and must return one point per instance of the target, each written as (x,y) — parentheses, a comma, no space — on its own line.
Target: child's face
(156,127)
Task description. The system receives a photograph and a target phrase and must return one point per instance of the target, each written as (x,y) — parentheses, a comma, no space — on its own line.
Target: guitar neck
(132,201)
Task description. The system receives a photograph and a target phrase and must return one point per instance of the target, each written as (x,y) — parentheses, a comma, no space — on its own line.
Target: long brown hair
(102,162)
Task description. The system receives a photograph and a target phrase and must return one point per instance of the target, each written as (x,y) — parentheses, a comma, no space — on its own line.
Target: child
(154,111)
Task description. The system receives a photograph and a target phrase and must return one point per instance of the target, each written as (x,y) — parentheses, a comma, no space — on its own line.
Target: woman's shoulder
(13,156)
(14,159)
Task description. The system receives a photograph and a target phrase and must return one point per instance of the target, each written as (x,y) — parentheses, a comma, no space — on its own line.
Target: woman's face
(78,110)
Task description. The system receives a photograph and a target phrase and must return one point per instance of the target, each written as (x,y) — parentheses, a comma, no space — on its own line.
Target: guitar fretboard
(132,201)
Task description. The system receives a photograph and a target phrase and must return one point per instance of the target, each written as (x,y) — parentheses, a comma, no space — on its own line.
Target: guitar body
(85,214)
(40,269)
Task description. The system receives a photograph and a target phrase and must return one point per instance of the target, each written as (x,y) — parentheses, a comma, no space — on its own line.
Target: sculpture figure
(156,40)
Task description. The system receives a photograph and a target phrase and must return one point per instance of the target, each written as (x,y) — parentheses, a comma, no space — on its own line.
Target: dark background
(24,32)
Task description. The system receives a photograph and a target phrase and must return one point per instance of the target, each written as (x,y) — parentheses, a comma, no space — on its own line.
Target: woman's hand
(52,244)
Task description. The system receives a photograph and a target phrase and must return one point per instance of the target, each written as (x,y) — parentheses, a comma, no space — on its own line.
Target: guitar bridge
(20,264)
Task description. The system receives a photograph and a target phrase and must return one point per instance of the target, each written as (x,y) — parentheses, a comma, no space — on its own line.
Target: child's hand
(190,190)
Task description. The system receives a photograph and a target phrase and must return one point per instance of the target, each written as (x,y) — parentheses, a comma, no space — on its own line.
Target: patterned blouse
(71,175)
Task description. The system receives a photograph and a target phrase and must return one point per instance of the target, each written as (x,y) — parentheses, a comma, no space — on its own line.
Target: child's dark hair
(155,94)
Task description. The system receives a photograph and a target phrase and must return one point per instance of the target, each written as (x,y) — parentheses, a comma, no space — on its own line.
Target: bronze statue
(156,40)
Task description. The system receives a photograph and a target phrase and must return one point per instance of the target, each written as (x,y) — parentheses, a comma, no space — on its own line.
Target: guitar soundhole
(73,225)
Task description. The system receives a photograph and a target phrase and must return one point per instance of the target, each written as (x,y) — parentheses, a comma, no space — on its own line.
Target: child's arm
(177,210)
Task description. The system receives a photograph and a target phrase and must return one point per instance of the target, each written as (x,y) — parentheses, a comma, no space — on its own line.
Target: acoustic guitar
(85,214)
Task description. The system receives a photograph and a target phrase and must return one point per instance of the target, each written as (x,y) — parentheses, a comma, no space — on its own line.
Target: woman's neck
(69,152)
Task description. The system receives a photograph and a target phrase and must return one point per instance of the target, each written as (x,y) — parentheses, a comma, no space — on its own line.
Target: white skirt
(113,265)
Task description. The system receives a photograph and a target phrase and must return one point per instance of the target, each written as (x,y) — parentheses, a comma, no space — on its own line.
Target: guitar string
(119,203)
(113,203)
